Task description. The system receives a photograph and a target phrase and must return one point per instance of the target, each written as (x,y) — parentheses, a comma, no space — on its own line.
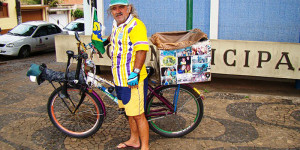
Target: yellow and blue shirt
(126,40)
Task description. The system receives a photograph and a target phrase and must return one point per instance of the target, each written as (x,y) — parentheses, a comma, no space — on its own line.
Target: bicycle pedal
(121,111)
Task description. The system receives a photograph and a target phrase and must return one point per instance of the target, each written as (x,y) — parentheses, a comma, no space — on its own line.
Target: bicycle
(78,111)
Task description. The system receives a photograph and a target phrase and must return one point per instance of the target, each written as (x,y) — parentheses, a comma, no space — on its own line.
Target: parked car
(29,37)
(76,25)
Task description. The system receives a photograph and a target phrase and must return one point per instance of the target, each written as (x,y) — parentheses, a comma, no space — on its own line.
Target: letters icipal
(284,59)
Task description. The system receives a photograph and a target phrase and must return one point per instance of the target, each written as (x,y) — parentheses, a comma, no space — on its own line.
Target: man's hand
(105,42)
(133,80)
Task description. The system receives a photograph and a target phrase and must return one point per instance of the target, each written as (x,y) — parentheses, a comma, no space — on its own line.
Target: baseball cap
(118,2)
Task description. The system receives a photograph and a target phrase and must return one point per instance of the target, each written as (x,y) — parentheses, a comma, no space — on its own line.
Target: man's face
(120,13)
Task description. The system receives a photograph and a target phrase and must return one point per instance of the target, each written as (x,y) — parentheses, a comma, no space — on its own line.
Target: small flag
(97,40)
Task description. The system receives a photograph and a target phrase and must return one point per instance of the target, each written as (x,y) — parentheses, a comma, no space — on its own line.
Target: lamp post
(189,14)
(18,9)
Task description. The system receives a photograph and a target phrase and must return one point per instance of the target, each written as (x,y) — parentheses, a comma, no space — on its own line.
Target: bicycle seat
(150,71)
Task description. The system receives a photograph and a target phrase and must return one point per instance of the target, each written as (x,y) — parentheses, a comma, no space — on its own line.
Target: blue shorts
(133,99)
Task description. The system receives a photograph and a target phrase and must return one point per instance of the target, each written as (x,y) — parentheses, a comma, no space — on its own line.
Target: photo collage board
(187,65)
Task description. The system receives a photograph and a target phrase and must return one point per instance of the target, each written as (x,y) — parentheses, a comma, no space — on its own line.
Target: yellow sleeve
(138,37)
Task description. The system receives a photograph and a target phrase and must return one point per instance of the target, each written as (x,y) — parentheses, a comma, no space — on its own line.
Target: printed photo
(168,53)
(169,61)
(168,58)
(184,78)
(184,52)
(205,76)
(184,60)
(184,69)
(200,59)
(184,65)
(199,68)
(168,75)
(201,48)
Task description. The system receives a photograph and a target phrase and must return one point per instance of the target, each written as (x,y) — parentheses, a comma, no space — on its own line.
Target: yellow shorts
(133,99)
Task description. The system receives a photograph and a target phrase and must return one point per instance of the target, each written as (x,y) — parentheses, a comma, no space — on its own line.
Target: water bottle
(112,91)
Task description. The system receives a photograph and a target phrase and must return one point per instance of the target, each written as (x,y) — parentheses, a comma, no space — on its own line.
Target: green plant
(53,3)
(30,2)
(77,13)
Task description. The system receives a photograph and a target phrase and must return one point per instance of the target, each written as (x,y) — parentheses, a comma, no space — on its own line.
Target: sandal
(127,146)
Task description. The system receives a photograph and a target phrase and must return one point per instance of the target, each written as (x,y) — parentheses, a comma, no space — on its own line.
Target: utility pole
(18,9)
(189,14)
(88,26)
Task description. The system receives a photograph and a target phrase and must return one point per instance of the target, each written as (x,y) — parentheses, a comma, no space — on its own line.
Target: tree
(77,13)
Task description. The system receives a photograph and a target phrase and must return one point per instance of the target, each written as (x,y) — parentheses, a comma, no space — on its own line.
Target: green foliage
(30,2)
(53,3)
(77,13)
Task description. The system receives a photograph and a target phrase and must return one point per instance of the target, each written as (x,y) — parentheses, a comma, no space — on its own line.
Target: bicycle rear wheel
(168,123)
(84,122)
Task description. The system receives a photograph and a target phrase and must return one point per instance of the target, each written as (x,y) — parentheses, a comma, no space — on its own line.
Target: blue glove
(133,79)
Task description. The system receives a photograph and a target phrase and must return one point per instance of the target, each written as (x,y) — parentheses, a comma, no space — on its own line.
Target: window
(80,27)
(51,29)
(23,30)
(58,29)
(4,10)
(42,31)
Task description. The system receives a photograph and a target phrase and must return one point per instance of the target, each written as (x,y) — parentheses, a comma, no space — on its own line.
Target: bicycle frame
(172,107)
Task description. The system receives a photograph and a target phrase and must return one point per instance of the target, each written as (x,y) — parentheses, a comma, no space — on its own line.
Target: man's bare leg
(139,128)
(134,140)
(143,128)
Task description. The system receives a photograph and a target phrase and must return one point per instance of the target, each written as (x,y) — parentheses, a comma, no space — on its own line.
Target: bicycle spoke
(181,107)
(85,121)
(179,123)
(66,105)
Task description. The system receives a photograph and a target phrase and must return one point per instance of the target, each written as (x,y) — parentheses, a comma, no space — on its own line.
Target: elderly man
(129,47)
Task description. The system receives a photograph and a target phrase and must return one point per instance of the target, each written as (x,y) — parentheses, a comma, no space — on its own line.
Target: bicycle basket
(177,39)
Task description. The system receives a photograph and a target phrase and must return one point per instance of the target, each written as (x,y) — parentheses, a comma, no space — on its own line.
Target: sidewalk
(238,114)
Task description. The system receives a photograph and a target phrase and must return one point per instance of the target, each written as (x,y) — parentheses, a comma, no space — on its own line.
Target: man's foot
(123,145)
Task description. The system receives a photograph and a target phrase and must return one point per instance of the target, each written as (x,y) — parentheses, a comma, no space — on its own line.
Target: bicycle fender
(101,102)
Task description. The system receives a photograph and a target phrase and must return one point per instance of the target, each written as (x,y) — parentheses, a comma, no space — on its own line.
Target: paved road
(239,114)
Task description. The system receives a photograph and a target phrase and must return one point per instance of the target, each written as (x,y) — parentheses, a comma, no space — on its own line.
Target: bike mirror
(77,36)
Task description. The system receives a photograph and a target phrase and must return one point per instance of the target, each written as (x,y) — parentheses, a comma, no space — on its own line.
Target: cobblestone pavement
(232,120)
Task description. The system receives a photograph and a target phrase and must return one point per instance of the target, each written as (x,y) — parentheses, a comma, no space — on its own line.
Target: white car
(29,37)
(76,25)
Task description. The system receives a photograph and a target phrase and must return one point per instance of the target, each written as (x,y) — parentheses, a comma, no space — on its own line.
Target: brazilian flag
(97,40)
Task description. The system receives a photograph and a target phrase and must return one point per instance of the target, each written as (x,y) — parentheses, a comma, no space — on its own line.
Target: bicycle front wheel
(180,122)
(84,122)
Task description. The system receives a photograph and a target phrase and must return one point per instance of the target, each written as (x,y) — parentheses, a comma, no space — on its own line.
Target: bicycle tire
(85,122)
(178,124)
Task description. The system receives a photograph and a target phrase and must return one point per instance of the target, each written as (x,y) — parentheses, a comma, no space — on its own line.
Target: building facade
(8,15)
(250,20)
